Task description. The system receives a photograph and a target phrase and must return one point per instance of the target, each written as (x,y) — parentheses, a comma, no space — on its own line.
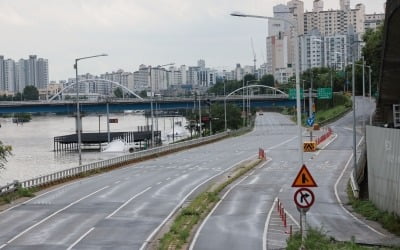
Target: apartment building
(15,76)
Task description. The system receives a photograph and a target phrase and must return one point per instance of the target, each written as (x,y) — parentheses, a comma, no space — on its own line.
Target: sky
(134,32)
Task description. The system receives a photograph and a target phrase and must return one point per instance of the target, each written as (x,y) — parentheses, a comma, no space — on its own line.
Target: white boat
(128,111)
(119,146)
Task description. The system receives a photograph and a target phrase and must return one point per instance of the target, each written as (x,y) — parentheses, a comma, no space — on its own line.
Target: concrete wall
(383,151)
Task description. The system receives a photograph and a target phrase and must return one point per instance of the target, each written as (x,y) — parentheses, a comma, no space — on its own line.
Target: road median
(181,230)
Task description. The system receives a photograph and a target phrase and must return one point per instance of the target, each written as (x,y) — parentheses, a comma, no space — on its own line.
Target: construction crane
(254,55)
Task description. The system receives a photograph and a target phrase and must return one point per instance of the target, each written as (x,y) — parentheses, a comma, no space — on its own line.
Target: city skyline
(133,33)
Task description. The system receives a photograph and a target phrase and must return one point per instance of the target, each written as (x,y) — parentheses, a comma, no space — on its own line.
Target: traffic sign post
(310,123)
(304,178)
(324,93)
(292,94)
(304,198)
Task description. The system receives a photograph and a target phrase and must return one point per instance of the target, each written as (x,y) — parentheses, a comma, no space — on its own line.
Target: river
(32,142)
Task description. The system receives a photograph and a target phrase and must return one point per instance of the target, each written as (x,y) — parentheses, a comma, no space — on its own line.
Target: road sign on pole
(304,198)
(292,94)
(324,93)
(310,121)
(304,178)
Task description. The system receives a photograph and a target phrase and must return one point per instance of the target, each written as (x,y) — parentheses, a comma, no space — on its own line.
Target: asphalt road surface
(124,208)
(247,216)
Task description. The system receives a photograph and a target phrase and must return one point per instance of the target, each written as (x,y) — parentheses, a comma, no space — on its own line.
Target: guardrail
(68,173)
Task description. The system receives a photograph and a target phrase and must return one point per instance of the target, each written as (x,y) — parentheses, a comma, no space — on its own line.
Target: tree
(143,93)
(18,96)
(268,80)
(5,151)
(372,52)
(233,116)
(118,92)
(31,93)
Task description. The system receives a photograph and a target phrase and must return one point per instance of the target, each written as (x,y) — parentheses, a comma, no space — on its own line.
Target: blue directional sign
(310,121)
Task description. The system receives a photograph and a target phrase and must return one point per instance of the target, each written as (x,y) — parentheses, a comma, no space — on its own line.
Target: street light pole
(296,52)
(200,114)
(244,117)
(78,117)
(370,92)
(226,125)
(353,81)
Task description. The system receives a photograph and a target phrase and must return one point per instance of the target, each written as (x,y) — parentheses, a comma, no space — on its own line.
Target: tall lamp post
(78,117)
(226,124)
(296,53)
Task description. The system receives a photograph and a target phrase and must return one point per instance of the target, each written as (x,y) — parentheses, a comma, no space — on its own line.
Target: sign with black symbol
(304,178)
(304,198)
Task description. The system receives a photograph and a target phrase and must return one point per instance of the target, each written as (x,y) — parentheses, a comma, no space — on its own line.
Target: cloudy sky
(134,32)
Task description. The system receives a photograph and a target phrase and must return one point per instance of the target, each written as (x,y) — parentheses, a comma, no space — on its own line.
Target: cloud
(133,32)
(11,17)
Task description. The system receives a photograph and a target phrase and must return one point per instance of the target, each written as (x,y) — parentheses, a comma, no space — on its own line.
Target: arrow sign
(310,121)
(304,178)
(304,198)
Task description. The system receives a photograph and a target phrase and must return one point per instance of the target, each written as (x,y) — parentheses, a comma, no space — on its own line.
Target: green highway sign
(324,93)
(292,94)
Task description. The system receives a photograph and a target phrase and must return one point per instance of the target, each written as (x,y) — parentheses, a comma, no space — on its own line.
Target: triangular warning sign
(304,178)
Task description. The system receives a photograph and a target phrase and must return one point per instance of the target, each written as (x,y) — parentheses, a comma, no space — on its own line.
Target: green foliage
(31,93)
(25,117)
(321,78)
(20,192)
(372,52)
(268,80)
(25,192)
(316,240)
(233,117)
(5,151)
(118,92)
(143,93)
(366,208)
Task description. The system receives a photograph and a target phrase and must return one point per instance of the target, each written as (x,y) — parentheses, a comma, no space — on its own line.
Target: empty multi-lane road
(125,208)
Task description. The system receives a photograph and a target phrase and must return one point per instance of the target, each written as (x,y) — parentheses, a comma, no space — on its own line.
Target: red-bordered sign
(304,178)
(304,198)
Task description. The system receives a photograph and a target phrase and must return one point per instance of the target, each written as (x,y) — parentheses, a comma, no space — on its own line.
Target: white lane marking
(37,197)
(53,214)
(117,182)
(127,202)
(293,219)
(340,201)
(184,199)
(158,183)
(266,225)
(212,211)
(2,246)
(169,178)
(280,144)
(80,238)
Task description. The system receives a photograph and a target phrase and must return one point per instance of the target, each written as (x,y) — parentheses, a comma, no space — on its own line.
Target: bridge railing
(116,161)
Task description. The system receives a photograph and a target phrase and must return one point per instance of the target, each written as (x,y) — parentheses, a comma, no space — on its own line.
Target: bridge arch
(256,86)
(95,80)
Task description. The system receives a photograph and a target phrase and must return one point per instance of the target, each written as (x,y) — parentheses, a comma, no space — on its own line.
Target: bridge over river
(120,105)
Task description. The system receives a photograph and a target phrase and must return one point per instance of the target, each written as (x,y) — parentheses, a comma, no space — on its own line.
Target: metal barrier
(68,173)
